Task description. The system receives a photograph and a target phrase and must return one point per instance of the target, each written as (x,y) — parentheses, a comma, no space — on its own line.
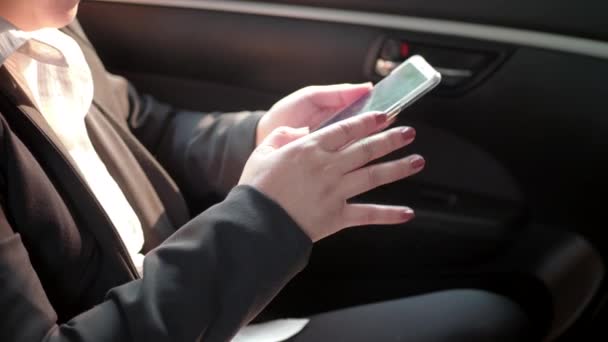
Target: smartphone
(402,87)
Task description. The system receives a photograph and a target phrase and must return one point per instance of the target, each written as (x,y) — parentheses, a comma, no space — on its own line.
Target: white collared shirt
(51,69)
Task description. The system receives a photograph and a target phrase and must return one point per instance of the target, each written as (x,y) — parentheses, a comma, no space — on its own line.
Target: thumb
(339,95)
(282,136)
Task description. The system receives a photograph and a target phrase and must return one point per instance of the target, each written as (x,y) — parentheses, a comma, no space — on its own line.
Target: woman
(91,174)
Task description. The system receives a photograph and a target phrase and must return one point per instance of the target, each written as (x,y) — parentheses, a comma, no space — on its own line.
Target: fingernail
(381,118)
(417,163)
(408,133)
(408,214)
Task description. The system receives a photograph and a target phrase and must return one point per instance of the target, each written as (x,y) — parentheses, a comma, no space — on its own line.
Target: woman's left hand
(310,106)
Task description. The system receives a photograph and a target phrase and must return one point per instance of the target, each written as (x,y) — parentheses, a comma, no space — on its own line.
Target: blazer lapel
(35,132)
(10,88)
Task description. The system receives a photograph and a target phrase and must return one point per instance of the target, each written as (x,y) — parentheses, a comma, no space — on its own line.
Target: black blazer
(64,272)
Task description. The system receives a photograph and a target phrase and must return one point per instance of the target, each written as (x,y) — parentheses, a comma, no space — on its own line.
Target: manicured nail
(381,118)
(408,133)
(417,163)
(407,214)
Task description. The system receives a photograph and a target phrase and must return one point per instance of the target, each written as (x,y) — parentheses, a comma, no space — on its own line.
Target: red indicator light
(405,49)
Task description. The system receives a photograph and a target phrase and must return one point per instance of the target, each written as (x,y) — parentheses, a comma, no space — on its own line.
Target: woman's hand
(313,175)
(310,106)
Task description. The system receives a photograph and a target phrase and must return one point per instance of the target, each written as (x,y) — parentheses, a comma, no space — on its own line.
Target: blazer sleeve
(203,152)
(206,281)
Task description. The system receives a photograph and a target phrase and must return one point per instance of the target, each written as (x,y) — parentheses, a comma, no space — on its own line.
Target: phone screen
(385,94)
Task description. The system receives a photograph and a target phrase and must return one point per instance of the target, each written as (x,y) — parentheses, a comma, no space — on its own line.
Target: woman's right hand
(313,175)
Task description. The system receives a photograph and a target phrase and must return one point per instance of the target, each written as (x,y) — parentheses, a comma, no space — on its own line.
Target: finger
(340,134)
(367,149)
(373,176)
(372,214)
(390,121)
(283,135)
(337,96)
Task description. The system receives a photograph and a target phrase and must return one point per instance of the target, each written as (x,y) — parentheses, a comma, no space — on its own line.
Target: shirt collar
(12,39)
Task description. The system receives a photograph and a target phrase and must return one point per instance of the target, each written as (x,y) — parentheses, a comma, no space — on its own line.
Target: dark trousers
(455,315)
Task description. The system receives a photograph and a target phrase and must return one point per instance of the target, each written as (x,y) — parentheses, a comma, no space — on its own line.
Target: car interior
(515,137)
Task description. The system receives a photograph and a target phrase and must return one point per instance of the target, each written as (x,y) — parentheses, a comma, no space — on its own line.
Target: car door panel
(514,158)
(560,16)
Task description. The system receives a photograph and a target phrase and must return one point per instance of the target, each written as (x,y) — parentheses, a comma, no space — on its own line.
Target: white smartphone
(402,87)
